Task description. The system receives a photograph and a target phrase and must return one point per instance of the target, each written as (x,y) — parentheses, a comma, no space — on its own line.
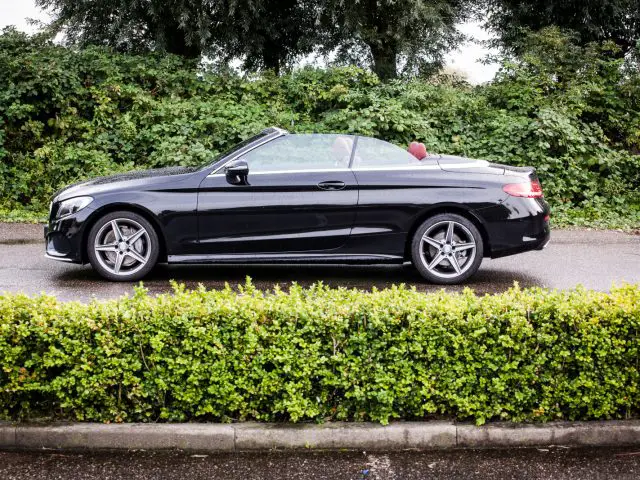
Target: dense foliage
(181,27)
(322,354)
(592,21)
(269,34)
(383,33)
(571,111)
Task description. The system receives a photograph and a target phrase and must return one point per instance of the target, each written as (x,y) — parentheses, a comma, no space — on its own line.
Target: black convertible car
(311,198)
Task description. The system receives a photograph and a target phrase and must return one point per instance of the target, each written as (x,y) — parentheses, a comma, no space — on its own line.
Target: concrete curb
(332,436)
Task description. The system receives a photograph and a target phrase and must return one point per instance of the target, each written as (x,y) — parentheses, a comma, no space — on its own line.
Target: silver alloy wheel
(450,249)
(122,246)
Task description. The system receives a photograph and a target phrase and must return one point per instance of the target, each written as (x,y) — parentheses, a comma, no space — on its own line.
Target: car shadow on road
(487,280)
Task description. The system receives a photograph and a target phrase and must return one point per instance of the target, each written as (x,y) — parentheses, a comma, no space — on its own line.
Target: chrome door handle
(331,185)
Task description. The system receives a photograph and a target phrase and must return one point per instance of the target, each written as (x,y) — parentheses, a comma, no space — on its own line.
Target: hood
(100,184)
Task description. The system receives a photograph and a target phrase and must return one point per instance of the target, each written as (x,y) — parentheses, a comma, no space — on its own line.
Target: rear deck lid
(452,163)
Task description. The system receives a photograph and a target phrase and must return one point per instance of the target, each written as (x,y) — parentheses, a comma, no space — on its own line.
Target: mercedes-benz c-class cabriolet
(304,198)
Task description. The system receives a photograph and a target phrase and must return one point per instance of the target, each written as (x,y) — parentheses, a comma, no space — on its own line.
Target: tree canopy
(388,35)
(591,20)
(411,34)
(181,27)
(268,34)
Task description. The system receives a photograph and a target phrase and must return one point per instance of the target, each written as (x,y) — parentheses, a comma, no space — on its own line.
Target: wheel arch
(447,208)
(119,207)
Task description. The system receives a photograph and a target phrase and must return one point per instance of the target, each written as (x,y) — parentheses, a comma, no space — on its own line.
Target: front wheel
(447,249)
(123,246)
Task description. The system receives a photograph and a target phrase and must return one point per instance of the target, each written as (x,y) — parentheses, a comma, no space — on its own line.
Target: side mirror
(237,172)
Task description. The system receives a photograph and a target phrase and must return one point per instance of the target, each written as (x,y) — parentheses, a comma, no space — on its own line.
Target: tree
(269,34)
(413,33)
(591,20)
(180,27)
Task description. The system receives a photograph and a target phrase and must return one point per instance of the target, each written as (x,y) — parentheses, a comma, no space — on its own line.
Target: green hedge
(65,115)
(322,354)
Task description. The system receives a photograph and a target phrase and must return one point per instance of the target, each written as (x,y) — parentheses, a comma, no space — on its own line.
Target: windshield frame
(243,147)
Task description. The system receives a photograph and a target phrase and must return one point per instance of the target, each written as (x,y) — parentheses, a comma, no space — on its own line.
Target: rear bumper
(525,244)
(518,225)
(545,243)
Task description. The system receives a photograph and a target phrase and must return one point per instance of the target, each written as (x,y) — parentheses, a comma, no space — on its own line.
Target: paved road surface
(530,464)
(594,259)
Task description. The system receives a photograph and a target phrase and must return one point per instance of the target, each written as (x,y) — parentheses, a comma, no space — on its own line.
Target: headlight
(73,205)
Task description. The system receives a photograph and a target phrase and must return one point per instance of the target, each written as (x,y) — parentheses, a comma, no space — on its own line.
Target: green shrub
(66,115)
(322,354)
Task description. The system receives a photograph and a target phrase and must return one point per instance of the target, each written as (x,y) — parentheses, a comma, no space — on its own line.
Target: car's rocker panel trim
(336,258)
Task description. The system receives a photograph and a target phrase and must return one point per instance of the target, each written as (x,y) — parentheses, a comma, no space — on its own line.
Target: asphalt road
(531,464)
(595,259)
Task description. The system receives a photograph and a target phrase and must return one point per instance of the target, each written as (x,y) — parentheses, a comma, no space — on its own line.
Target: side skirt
(270,258)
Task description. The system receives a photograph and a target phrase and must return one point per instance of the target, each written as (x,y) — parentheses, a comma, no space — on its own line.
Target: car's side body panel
(277,212)
(393,200)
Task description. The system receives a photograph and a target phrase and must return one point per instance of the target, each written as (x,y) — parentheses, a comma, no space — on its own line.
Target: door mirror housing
(237,172)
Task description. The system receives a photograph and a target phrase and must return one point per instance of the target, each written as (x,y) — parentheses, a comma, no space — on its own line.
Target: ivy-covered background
(571,111)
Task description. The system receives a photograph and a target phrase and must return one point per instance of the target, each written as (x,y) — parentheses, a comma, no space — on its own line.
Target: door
(298,196)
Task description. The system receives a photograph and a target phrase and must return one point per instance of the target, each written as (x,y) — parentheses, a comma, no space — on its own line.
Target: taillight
(531,189)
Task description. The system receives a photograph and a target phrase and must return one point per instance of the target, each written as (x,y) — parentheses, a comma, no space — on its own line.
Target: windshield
(236,147)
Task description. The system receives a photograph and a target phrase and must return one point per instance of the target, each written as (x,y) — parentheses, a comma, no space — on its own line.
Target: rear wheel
(447,249)
(123,246)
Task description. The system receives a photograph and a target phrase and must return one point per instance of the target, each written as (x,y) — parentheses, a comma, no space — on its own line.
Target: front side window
(371,152)
(238,146)
(301,152)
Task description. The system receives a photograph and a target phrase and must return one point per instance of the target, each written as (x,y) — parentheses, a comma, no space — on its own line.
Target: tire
(129,257)
(447,249)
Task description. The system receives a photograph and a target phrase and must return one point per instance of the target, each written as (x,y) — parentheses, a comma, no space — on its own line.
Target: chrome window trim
(281,131)
(436,166)
(398,167)
(342,170)
(314,170)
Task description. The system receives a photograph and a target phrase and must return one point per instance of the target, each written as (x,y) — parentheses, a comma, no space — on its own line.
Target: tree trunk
(176,43)
(385,59)
(270,58)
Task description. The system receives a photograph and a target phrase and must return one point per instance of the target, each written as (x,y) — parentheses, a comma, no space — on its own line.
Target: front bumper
(64,238)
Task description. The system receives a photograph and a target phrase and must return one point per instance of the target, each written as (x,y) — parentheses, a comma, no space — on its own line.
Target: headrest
(342,146)
(418,150)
